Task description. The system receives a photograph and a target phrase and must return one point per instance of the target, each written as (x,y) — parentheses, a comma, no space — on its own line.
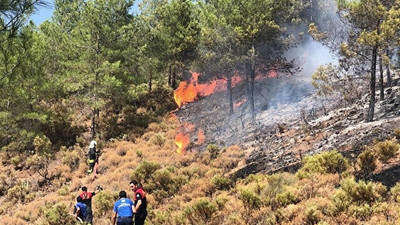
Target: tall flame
(182,141)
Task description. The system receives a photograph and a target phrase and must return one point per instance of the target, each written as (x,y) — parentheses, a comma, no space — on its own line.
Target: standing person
(87,200)
(140,203)
(123,210)
(93,155)
(80,210)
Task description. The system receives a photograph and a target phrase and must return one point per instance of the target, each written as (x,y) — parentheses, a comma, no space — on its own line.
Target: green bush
(395,191)
(19,193)
(200,212)
(386,149)
(16,160)
(326,162)
(313,215)
(214,150)
(157,139)
(363,192)
(366,161)
(250,199)
(144,170)
(222,183)
(362,212)
(284,199)
(42,144)
(58,214)
(103,202)
(163,183)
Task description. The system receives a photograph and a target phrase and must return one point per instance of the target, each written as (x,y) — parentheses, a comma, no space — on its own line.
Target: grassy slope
(192,188)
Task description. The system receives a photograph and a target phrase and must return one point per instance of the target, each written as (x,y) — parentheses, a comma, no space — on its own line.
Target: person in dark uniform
(140,202)
(123,210)
(93,155)
(87,200)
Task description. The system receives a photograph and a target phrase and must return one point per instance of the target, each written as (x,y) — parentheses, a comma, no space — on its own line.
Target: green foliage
(58,214)
(366,161)
(104,202)
(250,199)
(144,171)
(19,193)
(386,149)
(163,183)
(200,212)
(326,162)
(312,215)
(357,193)
(395,191)
(42,145)
(214,150)
(157,139)
(222,183)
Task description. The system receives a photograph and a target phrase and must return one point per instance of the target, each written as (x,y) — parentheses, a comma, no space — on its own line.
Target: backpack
(92,152)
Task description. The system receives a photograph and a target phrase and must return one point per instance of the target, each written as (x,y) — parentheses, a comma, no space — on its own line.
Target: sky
(45,13)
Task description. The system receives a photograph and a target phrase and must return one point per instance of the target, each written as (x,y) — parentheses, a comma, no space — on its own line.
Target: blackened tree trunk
(174,78)
(371,108)
(229,87)
(381,86)
(389,78)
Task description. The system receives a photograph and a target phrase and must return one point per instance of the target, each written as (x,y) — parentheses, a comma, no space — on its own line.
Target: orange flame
(182,141)
(239,103)
(200,136)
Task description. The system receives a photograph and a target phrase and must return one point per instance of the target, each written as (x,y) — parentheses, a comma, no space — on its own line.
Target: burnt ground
(300,124)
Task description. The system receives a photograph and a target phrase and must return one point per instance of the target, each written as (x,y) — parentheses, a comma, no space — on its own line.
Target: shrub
(16,160)
(103,202)
(284,199)
(222,183)
(144,171)
(313,215)
(395,191)
(363,192)
(362,212)
(200,212)
(163,183)
(214,150)
(366,161)
(58,214)
(386,149)
(64,190)
(71,158)
(42,144)
(250,199)
(19,193)
(157,139)
(326,162)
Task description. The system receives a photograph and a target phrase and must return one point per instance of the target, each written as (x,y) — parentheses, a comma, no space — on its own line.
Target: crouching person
(123,210)
(80,210)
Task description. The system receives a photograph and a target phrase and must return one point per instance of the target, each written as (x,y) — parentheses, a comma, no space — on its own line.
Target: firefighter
(140,202)
(93,155)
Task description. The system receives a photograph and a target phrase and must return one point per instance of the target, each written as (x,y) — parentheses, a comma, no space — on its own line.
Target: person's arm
(77,211)
(114,217)
(139,203)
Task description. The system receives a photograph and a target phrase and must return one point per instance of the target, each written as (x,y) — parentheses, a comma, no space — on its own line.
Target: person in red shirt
(87,200)
(140,209)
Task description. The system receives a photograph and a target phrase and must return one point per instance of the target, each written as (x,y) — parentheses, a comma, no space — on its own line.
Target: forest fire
(188,91)
(182,140)
(200,136)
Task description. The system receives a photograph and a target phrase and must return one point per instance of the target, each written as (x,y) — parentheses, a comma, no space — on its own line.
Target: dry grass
(284,199)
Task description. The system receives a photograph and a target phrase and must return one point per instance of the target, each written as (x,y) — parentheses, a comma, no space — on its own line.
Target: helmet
(92,144)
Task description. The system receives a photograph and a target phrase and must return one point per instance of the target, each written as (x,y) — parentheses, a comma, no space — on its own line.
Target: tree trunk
(389,78)
(170,76)
(229,87)
(381,87)
(93,127)
(174,79)
(150,79)
(371,108)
